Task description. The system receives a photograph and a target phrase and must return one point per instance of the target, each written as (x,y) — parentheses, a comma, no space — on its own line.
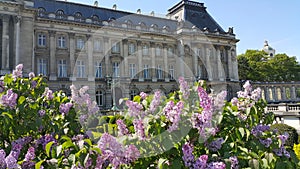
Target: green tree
(256,65)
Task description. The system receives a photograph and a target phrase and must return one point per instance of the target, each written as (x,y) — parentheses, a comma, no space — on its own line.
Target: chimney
(96,3)
(114,7)
(152,13)
(139,11)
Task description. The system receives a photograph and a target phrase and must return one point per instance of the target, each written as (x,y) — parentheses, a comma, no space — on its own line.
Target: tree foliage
(256,65)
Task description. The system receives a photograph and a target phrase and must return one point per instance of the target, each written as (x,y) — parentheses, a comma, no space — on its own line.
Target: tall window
(133,93)
(171,72)
(199,52)
(61,42)
(159,72)
(146,72)
(170,51)
(80,68)
(131,48)
(145,50)
(199,71)
(98,70)
(116,69)
(100,98)
(132,70)
(62,68)
(41,39)
(158,51)
(115,47)
(80,43)
(42,67)
(97,45)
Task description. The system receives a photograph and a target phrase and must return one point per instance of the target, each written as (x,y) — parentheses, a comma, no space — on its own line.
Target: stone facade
(116,52)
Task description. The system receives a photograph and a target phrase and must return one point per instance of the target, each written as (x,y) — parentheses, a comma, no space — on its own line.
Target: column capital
(125,41)
(71,35)
(88,36)
(139,42)
(51,33)
(17,19)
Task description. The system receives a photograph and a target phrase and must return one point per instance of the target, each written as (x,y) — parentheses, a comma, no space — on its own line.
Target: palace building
(117,53)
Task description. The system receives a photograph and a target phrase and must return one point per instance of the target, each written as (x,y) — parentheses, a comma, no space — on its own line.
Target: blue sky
(254,21)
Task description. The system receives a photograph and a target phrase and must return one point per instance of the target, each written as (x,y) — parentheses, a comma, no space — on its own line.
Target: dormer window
(41,11)
(60,14)
(78,17)
(95,19)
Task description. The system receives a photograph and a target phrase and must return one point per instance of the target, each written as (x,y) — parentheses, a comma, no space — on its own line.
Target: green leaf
(58,150)
(21,99)
(98,150)
(38,165)
(7,114)
(243,149)
(242,131)
(88,141)
(67,144)
(48,148)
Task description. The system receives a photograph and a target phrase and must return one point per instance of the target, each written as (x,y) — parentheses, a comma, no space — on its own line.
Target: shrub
(282,128)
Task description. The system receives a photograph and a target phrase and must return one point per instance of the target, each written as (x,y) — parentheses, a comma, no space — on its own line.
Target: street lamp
(111,81)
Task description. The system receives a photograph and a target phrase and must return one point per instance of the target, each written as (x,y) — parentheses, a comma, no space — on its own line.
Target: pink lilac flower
(31,75)
(139,129)
(9,99)
(256,94)
(132,153)
(188,156)
(65,108)
(143,95)
(17,73)
(205,100)
(234,101)
(184,88)
(121,128)
(173,114)
(134,108)
(219,101)
(234,162)
(2,159)
(11,162)
(30,155)
(202,121)
(48,94)
(42,113)
(201,162)
(155,101)
(216,165)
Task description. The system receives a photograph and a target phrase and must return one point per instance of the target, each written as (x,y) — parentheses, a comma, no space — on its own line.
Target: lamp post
(112,82)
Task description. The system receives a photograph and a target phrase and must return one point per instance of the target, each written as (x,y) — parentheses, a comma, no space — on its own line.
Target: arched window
(41,11)
(100,98)
(143,25)
(129,23)
(60,14)
(78,17)
(95,19)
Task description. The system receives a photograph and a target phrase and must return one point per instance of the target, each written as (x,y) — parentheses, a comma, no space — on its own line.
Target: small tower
(268,49)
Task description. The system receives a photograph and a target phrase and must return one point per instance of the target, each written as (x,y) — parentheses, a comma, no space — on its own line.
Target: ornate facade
(117,53)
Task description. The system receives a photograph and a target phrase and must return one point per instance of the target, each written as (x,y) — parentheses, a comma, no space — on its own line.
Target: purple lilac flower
(282,152)
(256,94)
(173,114)
(139,129)
(216,165)
(184,88)
(216,144)
(134,108)
(9,99)
(188,156)
(48,94)
(266,142)
(132,153)
(155,101)
(234,101)
(219,101)
(17,73)
(201,162)
(88,163)
(31,75)
(11,162)
(65,108)
(2,159)
(42,113)
(202,121)
(30,155)
(122,128)
(205,100)
(283,137)
(44,140)
(1,86)
(33,84)
(143,95)
(259,129)
(28,164)
(234,162)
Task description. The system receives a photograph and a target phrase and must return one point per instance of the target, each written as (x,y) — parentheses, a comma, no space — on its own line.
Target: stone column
(72,56)
(267,97)
(221,71)
(52,62)
(180,47)
(165,67)
(106,55)
(229,62)
(208,64)
(140,58)
(125,72)
(195,62)
(283,93)
(275,98)
(293,93)
(153,58)
(234,64)
(17,33)
(91,75)
(5,42)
